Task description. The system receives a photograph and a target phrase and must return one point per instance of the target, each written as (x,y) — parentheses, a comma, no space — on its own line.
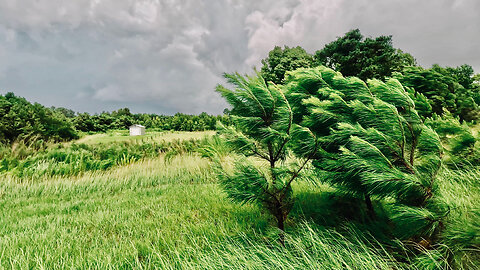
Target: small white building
(136,130)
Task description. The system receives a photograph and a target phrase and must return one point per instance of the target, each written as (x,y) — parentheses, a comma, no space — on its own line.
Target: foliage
(459,242)
(366,58)
(174,215)
(153,214)
(262,128)
(310,247)
(66,112)
(461,146)
(433,90)
(20,119)
(373,143)
(122,119)
(279,61)
(34,161)
(443,88)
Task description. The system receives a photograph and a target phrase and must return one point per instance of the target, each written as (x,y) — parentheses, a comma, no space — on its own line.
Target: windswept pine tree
(373,143)
(263,129)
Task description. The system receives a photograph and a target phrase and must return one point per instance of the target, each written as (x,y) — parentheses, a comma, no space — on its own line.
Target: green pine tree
(373,143)
(262,133)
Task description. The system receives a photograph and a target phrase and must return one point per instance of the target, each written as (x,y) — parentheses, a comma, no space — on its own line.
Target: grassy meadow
(161,208)
(116,136)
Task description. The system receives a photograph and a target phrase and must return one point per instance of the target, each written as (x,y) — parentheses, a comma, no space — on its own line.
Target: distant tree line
(434,90)
(22,120)
(123,118)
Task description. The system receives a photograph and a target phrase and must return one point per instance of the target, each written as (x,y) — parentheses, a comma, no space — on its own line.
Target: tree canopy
(352,55)
(20,119)
(281,60)
(366,139)
(444,88)
(373,141)
(366,58)
(434,90)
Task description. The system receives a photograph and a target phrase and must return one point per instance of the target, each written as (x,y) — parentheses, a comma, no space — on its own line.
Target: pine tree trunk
(281,226)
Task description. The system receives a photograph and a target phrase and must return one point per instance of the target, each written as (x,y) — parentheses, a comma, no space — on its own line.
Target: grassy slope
(153,214)
(156,215)
(137,214)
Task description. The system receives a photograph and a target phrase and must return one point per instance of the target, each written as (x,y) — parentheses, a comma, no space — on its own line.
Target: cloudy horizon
(167,56)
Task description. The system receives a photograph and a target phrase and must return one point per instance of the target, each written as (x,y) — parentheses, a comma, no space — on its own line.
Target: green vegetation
(372,144)
(172,214)
(446,89)
(263,128)
(279,61)
(92,153)
(21,120)
(116,136)
(366,58)
(122,119)
(434,91)
(308,170)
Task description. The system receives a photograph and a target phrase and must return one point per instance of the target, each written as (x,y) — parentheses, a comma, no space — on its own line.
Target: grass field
(172,214)
(149,214)
(156,136)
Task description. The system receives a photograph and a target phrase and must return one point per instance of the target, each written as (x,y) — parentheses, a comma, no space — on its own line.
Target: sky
(167,56)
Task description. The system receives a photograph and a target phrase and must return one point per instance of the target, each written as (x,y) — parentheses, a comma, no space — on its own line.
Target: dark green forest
(434,90)
(22,120)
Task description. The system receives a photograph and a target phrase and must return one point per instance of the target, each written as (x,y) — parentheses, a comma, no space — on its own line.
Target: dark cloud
(166,56)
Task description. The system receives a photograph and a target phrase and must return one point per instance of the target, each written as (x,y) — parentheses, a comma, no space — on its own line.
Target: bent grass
(172,214)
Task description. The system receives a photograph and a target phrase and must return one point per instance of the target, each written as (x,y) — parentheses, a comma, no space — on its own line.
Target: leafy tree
(281,60)
(373,143)
(263,129)
(462,74)
(66,112)
(476,88)
(366,58)
(442,88)
(84,122)
(20,119)
(122,112)
(476,80)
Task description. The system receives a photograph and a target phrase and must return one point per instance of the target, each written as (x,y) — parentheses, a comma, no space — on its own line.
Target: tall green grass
(120,218)
(167,212)
(459,242)
(308,248)
(25,161)
(154,214)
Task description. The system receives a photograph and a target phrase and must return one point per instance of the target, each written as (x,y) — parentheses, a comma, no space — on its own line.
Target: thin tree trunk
(281,226)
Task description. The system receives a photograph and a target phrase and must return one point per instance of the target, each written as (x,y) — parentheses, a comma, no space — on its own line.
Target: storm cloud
(166,56)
